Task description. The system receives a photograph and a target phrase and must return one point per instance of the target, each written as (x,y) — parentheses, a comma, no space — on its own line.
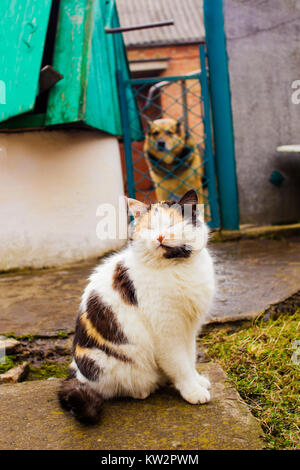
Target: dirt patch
(48,357)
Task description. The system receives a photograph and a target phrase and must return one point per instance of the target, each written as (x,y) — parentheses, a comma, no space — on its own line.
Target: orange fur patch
(144,222)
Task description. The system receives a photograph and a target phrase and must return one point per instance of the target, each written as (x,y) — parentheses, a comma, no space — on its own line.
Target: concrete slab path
(252,275)
(31,418)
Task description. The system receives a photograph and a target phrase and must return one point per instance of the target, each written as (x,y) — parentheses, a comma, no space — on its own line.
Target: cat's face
(168,230)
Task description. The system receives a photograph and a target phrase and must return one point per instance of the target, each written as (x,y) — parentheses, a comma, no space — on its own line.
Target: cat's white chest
(180,290)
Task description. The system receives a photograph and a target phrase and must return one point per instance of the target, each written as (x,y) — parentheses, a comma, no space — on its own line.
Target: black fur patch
(183,251)
(161,167)
(124,285)
(82,338)
(85,341)
(103,319)
(88,367)
(190,197)
(187,206)
(111,352)
(189,202)
(84,402)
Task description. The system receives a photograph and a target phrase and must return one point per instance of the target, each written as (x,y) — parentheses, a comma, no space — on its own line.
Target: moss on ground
(44,371)
(258,360)
(63,335)
(10,361)
(48,357)
(48,369)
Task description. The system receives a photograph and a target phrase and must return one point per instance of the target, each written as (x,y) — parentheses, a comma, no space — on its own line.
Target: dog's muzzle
(161,145)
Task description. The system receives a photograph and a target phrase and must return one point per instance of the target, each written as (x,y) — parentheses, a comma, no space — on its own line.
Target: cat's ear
(136,208)
(190,197)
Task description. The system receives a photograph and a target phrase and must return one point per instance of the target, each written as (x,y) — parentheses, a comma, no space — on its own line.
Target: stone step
(31,418)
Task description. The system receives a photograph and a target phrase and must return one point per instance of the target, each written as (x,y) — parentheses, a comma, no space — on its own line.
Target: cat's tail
(84,402)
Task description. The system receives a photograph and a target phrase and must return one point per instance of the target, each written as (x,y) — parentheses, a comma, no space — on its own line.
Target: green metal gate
(181,157)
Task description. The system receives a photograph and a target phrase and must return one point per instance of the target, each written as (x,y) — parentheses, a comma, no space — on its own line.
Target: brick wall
(183,59)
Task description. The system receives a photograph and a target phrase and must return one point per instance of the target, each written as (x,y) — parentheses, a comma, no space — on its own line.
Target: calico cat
(141,312)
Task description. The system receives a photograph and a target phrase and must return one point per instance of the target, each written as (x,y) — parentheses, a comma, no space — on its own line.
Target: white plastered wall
(51,183)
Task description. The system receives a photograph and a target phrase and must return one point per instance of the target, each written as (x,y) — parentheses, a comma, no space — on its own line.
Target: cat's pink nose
(160,238)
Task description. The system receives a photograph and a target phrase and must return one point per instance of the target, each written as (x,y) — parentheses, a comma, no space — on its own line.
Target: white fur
(174,297)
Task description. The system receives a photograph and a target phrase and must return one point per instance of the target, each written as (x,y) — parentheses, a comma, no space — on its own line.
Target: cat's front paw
(203,381)
(140,395)
(196,395)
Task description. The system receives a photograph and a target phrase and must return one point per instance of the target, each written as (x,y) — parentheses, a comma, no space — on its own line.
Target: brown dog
(174,160)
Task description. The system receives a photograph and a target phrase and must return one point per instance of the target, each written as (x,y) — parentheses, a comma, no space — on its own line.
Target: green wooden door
(88,59)
(85,55)
(23,27)
(109,59)
(71,58)
(102,101)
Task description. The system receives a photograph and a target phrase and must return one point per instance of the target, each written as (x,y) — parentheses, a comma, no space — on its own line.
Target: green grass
(48,369)
(258,360)
(8,364)
(62,335)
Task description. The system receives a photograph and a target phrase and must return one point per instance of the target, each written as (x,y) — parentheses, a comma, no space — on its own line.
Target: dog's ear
(148,124)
